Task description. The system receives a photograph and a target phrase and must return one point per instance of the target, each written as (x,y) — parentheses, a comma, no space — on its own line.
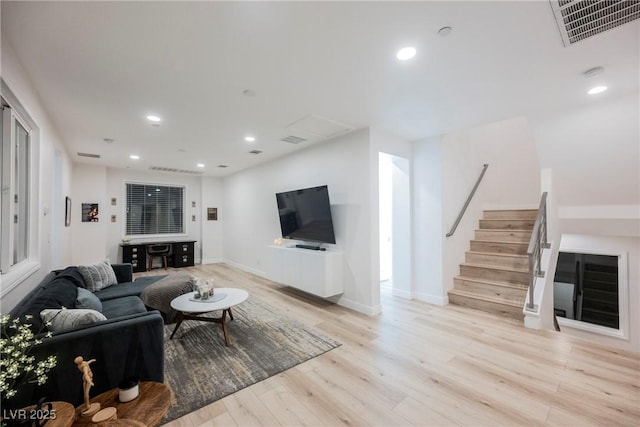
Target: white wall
(212,231)
(453,163)
(594,152)
(427,225)
(89,238)
(49,141)
(251,214)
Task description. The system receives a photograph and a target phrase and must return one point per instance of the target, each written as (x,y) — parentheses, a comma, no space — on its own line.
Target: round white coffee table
(223,299)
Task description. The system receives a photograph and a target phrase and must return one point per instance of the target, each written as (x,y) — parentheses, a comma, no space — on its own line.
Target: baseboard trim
(432,299)
(213,261)
(402,293)
(246,268)
(360,308)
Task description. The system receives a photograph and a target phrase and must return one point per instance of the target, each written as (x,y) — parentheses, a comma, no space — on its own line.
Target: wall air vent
(91,156)
(293,139)
(255,152)
(580,19)
(174,170)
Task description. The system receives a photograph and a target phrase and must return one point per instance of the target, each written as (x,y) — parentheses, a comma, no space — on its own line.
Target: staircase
(495,275)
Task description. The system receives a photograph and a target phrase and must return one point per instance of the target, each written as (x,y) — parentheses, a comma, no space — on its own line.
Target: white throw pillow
(60,319)
(98,276)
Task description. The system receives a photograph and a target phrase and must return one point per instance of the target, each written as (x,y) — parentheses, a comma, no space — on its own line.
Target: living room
(521,144)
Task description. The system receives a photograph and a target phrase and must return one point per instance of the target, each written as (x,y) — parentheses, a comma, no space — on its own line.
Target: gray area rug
(200,369)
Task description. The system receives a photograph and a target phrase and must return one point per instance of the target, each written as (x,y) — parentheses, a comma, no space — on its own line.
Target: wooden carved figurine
(87,378)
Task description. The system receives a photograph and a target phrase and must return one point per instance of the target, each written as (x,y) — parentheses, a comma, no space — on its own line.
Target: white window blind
(154,209)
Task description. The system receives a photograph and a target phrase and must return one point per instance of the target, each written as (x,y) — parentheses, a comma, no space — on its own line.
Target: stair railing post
(530,305)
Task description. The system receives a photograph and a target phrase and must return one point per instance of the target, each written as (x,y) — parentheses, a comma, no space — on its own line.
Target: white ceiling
(101,67)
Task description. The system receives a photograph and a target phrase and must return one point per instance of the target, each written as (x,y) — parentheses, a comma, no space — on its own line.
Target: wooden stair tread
(501,242)
(493,282)
(486,298)
(497,254)
(495,267)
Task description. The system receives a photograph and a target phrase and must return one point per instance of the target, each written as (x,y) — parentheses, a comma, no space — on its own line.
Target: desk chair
(160,250)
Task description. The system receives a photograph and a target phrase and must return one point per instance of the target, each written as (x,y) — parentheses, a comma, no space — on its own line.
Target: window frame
(157,235)
(13,275)
(623,297)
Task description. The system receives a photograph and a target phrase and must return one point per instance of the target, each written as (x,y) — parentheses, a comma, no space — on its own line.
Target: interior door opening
(395,225)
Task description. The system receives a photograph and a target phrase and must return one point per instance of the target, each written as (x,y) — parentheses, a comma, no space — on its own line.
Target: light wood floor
(418,365)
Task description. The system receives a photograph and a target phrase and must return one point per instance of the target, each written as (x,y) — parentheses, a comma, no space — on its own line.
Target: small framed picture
(90,212)
(212,214)
(67,211)
(193,217)
(113,201)
(113,218)
(193,204)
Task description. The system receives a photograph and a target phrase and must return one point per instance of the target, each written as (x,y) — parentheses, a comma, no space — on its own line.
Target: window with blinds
(154,209)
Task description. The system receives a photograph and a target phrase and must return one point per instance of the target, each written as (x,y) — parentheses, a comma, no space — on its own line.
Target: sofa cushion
(98,276)
(127,289)
(87,299)
(124,306)
(72,275)
(59,320)
(56,294)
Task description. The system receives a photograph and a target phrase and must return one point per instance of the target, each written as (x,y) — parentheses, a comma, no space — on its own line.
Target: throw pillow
(55,294)
(98,276)
(58,320)
(86,299)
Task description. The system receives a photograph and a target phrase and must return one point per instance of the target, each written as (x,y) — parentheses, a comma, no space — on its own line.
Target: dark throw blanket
(160,294)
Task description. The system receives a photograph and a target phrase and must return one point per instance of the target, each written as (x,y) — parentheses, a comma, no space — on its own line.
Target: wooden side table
(147,409)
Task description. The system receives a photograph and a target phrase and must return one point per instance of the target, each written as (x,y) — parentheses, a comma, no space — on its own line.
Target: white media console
(316,272)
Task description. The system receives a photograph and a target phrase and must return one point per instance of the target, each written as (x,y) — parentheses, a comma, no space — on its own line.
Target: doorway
(395,225)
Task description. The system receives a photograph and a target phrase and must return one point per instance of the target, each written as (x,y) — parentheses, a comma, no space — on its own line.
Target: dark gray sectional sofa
(129,343)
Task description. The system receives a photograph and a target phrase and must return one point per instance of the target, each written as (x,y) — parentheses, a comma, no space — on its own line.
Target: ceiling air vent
(174,170)
(255,152)
(223,166)
(580,19)
(91,156)
(293,139)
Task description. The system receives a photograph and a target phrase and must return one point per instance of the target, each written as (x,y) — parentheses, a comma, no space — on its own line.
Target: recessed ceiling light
(406,53)
(249,138)
(597,89)
(153,118)
(134,157)
(200,165)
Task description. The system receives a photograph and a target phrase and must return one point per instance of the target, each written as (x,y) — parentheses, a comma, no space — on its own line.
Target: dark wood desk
(182,254)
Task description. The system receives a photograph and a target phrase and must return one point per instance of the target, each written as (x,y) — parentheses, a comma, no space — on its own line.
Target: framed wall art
(90,212)
(67,211)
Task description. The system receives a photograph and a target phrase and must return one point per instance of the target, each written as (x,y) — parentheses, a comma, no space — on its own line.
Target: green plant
(17,365)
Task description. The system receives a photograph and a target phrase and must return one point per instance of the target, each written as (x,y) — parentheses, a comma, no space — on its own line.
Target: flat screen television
(306,215)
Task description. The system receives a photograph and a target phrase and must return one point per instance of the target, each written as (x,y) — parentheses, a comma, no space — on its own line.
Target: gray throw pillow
(86,299)
(58,320)
(98,276)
